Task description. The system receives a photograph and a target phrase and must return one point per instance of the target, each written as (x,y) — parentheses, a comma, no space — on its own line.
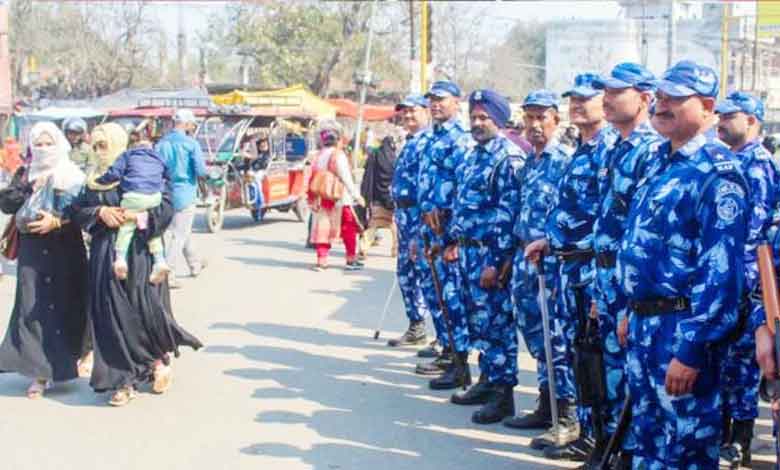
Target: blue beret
(583,86)
(543,98)
(627,75)
(687,78)
(496,106)
(740,101)
(443,89)
(412,101)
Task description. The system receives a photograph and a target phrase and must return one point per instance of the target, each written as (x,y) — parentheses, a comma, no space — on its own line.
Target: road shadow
(368,400)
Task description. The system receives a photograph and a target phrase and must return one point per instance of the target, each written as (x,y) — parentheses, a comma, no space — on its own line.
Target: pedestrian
(409,263)
(627,99)
(375,189)
(443,153)
(483,213)
(569,237)
(9,164)
(741,116)
(81,152)
(183,158)
(334,217)
(539,180)
(681,264)
(45,335)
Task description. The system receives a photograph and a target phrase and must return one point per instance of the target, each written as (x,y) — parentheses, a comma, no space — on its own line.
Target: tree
(85,52)
(516,65)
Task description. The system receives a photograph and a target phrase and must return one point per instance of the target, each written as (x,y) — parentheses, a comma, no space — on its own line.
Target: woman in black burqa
(45,334)
(375,188)
(133,326)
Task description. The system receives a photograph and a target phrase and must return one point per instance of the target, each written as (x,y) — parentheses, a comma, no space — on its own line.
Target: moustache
(665,114)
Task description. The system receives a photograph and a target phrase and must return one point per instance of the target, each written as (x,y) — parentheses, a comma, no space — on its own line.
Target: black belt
(405,204)
(659,306)
(471,243)
(606,259)
(574,255)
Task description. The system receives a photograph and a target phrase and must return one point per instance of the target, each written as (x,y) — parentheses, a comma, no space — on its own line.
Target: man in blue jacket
(184,162)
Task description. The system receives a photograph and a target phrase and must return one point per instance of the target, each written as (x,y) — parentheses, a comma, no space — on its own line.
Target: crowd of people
(88,214)
(637,244)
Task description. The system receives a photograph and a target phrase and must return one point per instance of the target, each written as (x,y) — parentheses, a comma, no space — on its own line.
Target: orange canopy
(348,108)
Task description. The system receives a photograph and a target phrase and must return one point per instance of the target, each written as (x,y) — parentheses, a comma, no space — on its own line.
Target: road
(290,378)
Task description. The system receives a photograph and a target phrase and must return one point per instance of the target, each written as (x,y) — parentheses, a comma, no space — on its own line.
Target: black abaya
(132,322)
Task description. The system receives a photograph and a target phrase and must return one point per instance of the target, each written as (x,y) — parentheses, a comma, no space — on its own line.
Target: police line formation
(629,264)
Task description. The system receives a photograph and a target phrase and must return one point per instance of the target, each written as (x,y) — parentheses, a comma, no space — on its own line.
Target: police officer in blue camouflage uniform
(681,264)
(444,151)
(538,187)
(569,235)
(741,115)
(483,217)
(626,104)
(409,267)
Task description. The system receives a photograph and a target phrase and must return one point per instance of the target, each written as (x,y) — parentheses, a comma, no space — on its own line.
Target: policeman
(569,235)
(483,216)
(539,182)
(444,151)
(414,112)
(80,151)
(741,115)
(681,264)
(626,104)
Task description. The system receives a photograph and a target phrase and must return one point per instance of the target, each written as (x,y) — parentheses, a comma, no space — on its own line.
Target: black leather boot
(478,394)
(456,375)
(414,335)
(540,418)
(437,366)
(432,351)
(500,405)
(737,451)
(568,432)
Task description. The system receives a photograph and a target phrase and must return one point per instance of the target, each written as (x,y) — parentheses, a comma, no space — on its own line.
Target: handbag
(9,242)
(326,184)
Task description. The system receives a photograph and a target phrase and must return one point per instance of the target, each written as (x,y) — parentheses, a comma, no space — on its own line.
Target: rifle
(589,366)
(770,390)
(445,311)
(610,458)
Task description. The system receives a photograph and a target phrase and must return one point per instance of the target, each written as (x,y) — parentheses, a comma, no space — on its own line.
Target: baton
(445,311)
(548,346)
(387,306)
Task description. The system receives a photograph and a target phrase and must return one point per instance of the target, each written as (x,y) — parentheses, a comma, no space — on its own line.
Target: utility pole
(412,54)
(671,35)
(724,50)
(755,53)
(364,82)
(425,43)
(643,34)
(180,46)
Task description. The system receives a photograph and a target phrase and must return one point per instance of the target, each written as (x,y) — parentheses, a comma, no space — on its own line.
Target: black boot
(433,350)
(437,366)
(478,394)
(456,375)
(568,432)
(737,451)
(415,334)
(540,418)
(500,405)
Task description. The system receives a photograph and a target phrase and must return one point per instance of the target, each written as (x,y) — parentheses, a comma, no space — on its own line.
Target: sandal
(162,378)
(123,396)
(36,389)
(319,267)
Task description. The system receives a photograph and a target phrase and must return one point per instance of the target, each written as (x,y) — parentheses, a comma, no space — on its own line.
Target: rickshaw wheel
(215,214)
(301,210)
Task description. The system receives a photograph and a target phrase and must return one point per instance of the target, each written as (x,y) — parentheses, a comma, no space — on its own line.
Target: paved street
(290,378)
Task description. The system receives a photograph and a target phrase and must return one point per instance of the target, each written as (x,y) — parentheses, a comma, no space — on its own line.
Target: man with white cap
(183,158)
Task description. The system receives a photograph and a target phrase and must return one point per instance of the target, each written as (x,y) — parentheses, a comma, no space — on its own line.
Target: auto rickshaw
(280,186)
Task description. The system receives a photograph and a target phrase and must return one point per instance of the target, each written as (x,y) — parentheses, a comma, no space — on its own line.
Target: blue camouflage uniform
(447,144)
(483,216)
(538,181)
(570,232)
(684,244)
(408,220)
(740,373)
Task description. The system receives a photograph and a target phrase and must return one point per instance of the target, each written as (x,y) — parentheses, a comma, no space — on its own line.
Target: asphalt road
(290,378)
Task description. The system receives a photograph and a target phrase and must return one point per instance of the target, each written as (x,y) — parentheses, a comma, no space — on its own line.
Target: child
(141,176)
